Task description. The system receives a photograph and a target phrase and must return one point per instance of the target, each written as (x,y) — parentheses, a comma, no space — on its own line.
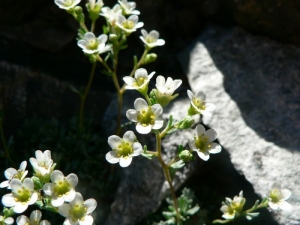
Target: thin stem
(167,175)
(5,145)
(83,97)
(93,26)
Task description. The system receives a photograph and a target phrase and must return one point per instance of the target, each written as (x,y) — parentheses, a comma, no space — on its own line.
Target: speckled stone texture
(255,84)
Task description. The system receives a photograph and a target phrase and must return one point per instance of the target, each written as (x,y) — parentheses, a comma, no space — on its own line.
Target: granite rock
(255,84)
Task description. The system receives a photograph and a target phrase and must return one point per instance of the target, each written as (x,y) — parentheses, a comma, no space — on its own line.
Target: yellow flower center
(150,39)
(128,24)
(146,117)
(139,81)
(124,149)
(62,187)
(202,143)
(275,196)
(93,44)
(77,212)
(199,104)
(22,195)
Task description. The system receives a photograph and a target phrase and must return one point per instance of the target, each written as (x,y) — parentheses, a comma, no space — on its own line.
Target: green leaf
(37,183)
(75,90)
(193,210)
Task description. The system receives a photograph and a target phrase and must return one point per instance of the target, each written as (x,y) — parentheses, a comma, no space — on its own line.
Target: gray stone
(255,84)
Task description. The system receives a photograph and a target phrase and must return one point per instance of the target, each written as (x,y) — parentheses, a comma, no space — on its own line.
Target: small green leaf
(75,90)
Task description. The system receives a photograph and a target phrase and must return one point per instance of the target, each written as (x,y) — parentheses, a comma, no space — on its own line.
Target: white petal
(144,33)
(192,145)
(176,84)
(190,94)
(48,188)
(23,165)
(215,148)
(57,176)
(28,184)
(111,157)
(39,155)
(90,204)
(33,198)
(160,42)
(137,149)
(68,221)
(285,194)
(283,205)
(128,80)
(160,80)
(273,205)
(201,96)
(8,200)
(57,201)
(124,162)
(210,107)
(114,141)
(133,18)
(36,215)
(129,136)
(102,38)
(9,173)
(140,104)
(157,110)
(82,44)
(211,134)
(141,73)
(89,36)
(151,75)
(15,185)
(20,207)
(4,184)
(78,199)
(205,113)
(72,179)
(9,220)
(87,220)
(64,209)
(154,34)
(143,130)
(200,130)
(44,222)
(131,114)
(69,196)
(158,124)
(23,220)
(203,155)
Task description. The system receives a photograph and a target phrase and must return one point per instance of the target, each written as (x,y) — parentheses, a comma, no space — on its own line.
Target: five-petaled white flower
(140,80)
(22,195)
(6,221)
(92,45)
(42,164)
(111,15)
(151,39)
(62,188)
(129,25)
(11,173)
(231,207)
(277,197)
(202,142)
(34,219)
(128,7)
(165,89)
(77,212)
(67,4)
(123,149)
(198,104)
(146,117)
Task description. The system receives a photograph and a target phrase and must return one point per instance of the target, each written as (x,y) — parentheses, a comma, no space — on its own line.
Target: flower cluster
(48,186)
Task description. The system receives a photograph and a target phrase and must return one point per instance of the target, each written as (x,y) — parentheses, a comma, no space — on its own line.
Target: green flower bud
(37,183)
(113,38)
(79,16)
(94,11)
(150,58)
(186,156)
(187,122)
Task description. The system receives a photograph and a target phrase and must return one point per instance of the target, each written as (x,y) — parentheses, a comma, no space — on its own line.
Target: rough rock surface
(255,85)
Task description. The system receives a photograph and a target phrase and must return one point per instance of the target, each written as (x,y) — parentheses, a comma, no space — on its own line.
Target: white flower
(22,195)
(35,218)
(146,117)
(96,4)
(129,25)
(62,188)
(42,164)
(123,149)
(231,207)
(140,80)
(198,104)
(111,14)
(165,89)
(128,7)
(92,45)
(277,197)
(202,142)
(151,39)
(6,221)
(11,173)
(66,4)
(78,211)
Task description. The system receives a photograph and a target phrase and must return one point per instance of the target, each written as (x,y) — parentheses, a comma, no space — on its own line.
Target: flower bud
(79,14)
(187,122)
(113,38)
(186,156)
(94,9)
(150,58)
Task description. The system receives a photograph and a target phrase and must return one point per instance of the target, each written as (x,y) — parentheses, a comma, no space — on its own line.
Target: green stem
(167,175)
(83,97)
(222,221)
(93,26)
(6,149)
